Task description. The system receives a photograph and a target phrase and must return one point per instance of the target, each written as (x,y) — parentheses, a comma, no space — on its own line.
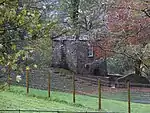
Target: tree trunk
(137,67)
(63,56)
(75,16)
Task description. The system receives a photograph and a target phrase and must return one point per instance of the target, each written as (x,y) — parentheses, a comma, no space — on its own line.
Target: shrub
(120,64)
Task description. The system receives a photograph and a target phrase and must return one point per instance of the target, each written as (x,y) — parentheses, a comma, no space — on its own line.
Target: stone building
(77,56)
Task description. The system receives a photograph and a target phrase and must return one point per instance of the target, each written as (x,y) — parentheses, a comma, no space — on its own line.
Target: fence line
(27,80)
(105,82)
(54,111)
(129,99)
(49,87)
(99,94)
(100,83)
(73,88)
(32,111)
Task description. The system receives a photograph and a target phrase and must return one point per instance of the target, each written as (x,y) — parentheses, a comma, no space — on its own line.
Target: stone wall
(56,53)
(69,54)
(76,57)
(82,57)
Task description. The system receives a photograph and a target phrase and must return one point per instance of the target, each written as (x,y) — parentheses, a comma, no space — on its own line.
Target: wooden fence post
(73,80)
(129,99)
(8,79)
(99,94)
(27,79)
(49,84)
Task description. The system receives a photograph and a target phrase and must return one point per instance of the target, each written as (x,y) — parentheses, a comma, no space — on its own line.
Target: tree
(129,26)
(20,22)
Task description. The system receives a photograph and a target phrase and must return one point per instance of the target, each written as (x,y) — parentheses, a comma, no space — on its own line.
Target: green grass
(136,96)
(16,98)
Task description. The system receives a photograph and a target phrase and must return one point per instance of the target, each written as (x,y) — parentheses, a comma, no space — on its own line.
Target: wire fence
(39,80)
(139,93)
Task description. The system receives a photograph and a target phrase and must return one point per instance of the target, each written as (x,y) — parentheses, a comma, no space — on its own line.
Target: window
(90,51)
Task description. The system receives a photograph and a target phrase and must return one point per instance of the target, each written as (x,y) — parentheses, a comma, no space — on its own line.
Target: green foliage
(18,26)
(42,51)
(3,86)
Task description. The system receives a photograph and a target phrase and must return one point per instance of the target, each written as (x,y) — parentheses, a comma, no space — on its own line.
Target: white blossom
(18,78)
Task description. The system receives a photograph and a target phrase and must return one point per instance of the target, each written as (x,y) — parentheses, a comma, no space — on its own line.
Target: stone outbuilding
(77,56)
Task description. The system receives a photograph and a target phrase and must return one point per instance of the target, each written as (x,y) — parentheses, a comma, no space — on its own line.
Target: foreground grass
(16,98)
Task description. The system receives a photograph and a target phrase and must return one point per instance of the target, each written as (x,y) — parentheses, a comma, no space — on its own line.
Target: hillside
(16,98)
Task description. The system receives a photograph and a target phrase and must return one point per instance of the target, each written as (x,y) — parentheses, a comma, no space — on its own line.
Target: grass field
(16,98)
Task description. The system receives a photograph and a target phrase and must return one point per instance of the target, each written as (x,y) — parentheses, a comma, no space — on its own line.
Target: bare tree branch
(147,12)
